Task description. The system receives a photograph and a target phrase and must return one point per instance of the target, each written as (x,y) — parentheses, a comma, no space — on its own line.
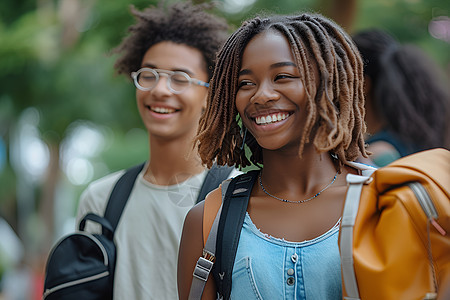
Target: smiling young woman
(270,86)
(295,83)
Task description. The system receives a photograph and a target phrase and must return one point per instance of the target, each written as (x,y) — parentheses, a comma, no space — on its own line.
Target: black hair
(181,23)
(407,89)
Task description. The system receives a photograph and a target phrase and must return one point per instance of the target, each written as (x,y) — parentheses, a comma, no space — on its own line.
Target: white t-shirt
(148,233)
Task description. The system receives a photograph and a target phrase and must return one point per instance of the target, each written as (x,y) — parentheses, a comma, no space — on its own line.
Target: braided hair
(335,105)
(408,92)
(180,23)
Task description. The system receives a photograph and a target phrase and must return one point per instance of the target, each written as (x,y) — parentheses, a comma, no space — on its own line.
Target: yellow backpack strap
(212,209)
(217,200)
(213,201)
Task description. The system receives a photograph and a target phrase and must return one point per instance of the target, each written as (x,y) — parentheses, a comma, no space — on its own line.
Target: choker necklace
(299,201)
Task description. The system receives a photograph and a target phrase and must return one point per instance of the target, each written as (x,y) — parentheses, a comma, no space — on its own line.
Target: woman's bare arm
(191,248)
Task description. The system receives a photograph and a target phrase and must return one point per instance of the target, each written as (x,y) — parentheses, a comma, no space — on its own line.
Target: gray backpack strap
(351,206)
(206,261)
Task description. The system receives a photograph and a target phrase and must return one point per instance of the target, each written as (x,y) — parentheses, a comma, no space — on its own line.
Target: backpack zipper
(99,244)
(86,279)
(427,204)
(74,282)
(90,236)
(430,211)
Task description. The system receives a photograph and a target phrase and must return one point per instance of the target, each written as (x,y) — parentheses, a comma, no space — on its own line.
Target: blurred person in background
(170,54)
(407,99)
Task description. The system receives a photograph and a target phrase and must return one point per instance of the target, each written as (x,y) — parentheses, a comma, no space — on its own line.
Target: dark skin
(191,247)
(270,84)
(170,135)
(293,222)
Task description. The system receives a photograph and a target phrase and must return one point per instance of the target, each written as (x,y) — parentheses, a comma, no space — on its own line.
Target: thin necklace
(299,201)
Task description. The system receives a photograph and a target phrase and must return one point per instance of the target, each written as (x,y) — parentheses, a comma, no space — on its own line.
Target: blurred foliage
(55,56)
(408,20)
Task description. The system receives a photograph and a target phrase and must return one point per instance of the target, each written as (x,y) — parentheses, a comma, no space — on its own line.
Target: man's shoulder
(96,195)
(104,184)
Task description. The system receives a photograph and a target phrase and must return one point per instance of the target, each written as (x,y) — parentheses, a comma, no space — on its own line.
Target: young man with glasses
(170,55)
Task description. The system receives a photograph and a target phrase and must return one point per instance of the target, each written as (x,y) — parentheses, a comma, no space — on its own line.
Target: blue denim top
(270,268)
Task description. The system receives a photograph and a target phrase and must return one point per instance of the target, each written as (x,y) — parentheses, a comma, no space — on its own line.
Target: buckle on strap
(209,256)
(204,266)
(202,269)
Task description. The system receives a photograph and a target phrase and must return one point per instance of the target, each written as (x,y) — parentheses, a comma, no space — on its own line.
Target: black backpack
(221,246)
(230,224)
(81,265)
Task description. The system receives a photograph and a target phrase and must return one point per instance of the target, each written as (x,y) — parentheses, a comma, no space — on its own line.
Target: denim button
(294,257)
(290,281)
(290,272)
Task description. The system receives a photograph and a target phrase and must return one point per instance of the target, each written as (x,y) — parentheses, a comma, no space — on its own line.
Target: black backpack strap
(229,231)
(213,179)
(120,193)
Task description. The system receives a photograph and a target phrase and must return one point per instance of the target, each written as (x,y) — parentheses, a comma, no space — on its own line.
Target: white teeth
(271,118)
(280,117)
(162,110)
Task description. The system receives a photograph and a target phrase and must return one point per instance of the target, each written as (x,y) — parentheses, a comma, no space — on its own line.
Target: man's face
(168,115)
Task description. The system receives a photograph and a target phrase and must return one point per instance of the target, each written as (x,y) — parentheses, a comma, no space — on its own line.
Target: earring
(243,139)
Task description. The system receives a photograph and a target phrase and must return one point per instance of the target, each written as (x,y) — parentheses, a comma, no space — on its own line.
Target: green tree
(55,56)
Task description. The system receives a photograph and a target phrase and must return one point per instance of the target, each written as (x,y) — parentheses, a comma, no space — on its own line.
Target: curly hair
(335,105)
(180,23)
(407,89)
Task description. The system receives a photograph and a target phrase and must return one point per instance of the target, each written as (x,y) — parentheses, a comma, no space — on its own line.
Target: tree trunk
(47,200)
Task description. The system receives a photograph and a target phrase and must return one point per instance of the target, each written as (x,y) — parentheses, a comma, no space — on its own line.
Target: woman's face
(165,114)
(271,97)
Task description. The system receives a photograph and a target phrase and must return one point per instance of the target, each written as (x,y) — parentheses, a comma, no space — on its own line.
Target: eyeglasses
(146,79)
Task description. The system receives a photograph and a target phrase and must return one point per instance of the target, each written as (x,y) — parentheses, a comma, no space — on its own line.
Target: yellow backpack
(395,230)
